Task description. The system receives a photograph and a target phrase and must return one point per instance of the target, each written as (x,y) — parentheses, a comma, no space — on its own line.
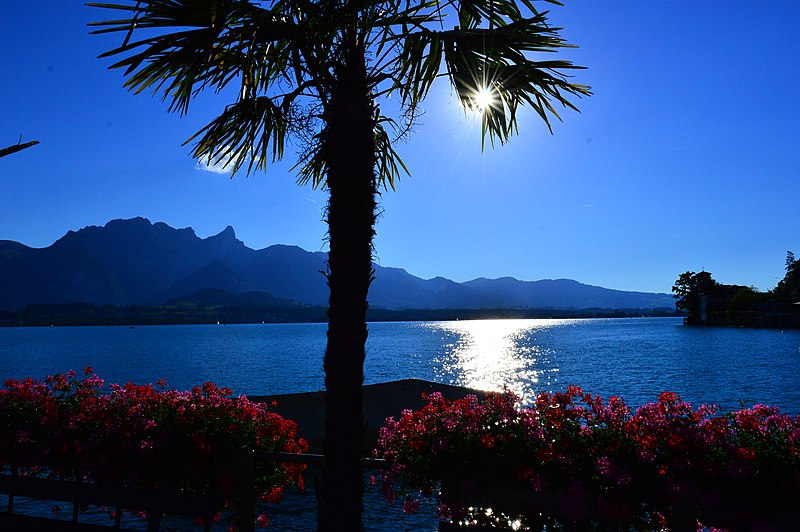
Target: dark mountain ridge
(136,262)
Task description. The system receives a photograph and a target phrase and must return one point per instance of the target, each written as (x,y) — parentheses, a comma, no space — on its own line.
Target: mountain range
(136,262)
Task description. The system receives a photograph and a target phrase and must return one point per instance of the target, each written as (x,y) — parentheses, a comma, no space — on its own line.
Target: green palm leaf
(251,131)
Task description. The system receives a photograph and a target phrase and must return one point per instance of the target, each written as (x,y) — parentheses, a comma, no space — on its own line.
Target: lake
(636,358)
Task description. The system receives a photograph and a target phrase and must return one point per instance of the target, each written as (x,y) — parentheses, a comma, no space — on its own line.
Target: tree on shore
(687,290)
(314,72)
(788,289)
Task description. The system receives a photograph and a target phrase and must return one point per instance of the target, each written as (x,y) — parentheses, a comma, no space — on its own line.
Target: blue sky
(685,158)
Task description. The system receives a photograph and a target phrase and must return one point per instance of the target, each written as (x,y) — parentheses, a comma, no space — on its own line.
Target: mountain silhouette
(136,262)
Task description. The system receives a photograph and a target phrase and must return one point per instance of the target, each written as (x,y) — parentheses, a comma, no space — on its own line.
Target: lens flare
(483,99)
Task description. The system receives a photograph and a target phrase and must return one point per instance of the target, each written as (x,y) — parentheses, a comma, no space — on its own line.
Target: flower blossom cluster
(572,459)
(141,435)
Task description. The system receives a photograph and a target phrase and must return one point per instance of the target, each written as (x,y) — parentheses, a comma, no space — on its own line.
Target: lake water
(635,358)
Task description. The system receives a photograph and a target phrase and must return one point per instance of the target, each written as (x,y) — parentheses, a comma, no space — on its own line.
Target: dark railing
(683,515)
(156,503)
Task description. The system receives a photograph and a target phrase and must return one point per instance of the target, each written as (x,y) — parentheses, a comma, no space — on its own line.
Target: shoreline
(82,314)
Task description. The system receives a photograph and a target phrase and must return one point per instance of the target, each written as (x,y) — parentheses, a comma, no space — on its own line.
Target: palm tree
(314,72)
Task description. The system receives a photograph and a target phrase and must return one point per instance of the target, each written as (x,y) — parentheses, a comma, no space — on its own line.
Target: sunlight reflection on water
(496,355)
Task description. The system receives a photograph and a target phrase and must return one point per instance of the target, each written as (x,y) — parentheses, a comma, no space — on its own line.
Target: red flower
(138,435)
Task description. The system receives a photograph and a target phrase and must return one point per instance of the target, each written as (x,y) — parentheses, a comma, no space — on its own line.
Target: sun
(483,99)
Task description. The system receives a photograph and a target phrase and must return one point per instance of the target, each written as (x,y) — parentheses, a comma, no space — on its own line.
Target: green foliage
(746,298)
(788,288)
(733,305)
(687,290)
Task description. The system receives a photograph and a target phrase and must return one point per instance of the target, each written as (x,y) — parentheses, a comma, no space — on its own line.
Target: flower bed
(142,436)
(572,460)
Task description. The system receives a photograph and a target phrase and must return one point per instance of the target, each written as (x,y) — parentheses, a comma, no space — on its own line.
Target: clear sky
(687,157)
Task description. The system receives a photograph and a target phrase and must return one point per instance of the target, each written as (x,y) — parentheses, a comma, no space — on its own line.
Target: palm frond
(311,167)
(494,48)
(418,65)
(390,165)
(472,13)
(228,39)
(499,60)
(284,50)
(251,131)
(8,150)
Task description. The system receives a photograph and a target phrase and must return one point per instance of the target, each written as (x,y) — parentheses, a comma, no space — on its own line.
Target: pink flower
(444,511)
(275,495)
(410,506)
(604,466)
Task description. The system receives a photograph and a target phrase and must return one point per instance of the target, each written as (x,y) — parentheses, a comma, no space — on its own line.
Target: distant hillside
(213,297)
(136,262)
(566,293)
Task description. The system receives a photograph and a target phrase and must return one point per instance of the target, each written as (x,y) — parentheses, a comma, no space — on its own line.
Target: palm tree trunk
(349,148)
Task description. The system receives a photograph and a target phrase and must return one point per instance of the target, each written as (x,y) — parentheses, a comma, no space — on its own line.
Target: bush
(571,460)
(145,436)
